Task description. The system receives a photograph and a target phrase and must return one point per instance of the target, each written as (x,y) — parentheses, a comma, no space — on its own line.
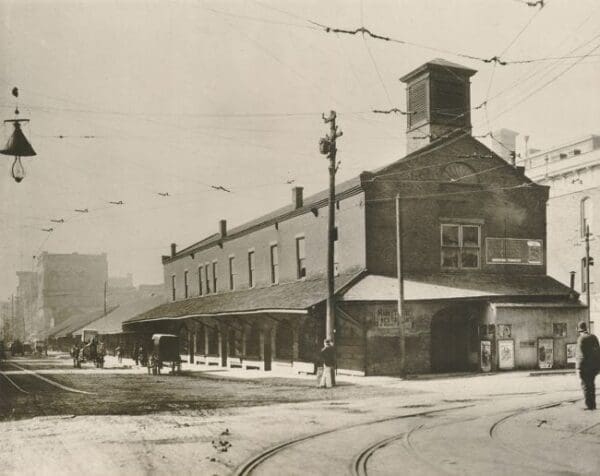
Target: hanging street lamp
(17,145)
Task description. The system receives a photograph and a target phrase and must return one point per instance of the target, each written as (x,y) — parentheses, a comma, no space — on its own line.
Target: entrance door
(450,341)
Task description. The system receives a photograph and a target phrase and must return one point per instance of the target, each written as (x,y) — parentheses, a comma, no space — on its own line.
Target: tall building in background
(26,304)
(69,284)
(572,171)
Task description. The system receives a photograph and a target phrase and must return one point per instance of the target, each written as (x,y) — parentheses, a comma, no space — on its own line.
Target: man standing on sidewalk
(588,364)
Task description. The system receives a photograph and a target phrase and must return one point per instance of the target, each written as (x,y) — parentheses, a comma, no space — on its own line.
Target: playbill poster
(506,354)
(545,353)
(486,355)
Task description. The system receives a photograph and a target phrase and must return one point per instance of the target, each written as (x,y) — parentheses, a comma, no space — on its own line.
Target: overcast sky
(182,95)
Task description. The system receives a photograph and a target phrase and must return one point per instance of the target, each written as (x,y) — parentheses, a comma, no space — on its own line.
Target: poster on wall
(545,353)
(506,354)
(486,356)
(504,331)
(571,353)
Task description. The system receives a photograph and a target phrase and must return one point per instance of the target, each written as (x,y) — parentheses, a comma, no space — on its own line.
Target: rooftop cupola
(438,99)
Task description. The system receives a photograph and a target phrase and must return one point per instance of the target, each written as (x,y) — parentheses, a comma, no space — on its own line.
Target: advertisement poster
(486,355)
(506,354)
(504,331)
(545,353)
(571,353)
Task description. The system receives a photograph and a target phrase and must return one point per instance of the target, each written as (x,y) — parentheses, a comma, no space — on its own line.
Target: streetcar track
(13,383)
(250,465)
(50,381)
(360,462)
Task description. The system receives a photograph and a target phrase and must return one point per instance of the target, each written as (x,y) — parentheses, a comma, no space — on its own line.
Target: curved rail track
(359,466)
(253,463)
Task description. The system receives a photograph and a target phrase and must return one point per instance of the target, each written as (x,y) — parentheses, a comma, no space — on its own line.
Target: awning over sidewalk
(112,322)
(75,322)
(291,298)
(455,286)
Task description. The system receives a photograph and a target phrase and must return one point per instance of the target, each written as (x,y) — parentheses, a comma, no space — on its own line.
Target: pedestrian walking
(119,351)
(136,352)
(588,364)
(327,379)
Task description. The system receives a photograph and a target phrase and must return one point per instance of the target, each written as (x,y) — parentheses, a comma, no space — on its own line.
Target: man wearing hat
(588,364)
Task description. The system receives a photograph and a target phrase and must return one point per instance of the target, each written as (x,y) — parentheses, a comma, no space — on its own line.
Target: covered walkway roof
(456,286)
(296,297)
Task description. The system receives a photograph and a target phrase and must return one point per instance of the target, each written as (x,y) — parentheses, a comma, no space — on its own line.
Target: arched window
(586,215)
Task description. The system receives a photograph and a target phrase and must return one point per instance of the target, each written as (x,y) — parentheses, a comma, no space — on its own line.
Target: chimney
(173,249)
(438,102)
(297,199)
(222,228)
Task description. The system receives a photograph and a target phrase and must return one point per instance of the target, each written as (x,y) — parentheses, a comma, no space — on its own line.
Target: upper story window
(207,278)
(200,279)
(185,284)
(584,280)
(586,215)
(214,276)
(173,290)
(251,268)
(232,273)
(274,264)
(301,257)
(461,246)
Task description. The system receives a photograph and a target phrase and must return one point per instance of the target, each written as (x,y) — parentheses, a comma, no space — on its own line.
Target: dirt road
(203,423)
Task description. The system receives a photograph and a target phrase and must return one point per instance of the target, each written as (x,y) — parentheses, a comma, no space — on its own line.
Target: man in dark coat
(328,359)
(588,364)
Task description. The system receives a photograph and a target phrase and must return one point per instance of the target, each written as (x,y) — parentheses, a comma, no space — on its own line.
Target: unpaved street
(208,423)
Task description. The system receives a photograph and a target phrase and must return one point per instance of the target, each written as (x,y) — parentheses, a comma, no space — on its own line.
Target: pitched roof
(75,322)
(297,296)
(112,322)
(456,286)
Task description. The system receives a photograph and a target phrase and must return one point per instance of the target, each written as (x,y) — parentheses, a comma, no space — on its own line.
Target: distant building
(473,261)
(572,171)
(69,284)
(26,304)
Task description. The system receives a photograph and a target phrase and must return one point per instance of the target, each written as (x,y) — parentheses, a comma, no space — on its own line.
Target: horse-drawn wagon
(165,350)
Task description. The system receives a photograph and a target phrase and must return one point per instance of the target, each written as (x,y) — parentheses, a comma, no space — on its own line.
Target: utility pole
(399,265)
(328,148)
(105,298)
(588,262)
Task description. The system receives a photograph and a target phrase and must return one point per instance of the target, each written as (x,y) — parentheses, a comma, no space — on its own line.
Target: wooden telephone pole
(328,148)
(588,262)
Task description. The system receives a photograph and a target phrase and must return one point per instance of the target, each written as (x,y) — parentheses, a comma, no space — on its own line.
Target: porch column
(223,344)
(206,329)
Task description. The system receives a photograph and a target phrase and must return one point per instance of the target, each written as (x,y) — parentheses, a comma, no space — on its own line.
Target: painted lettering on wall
(385,317)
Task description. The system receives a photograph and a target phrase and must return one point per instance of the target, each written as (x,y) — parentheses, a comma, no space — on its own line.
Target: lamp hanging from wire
(17,145)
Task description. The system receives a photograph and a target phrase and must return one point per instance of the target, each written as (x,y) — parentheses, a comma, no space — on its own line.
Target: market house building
(473,264)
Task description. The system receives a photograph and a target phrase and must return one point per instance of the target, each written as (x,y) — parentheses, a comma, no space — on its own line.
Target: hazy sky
(181,95)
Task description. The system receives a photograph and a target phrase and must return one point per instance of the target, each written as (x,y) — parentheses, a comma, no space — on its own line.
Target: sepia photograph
(299,237)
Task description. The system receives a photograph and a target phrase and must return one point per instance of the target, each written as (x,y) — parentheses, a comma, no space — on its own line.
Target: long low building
(471,261)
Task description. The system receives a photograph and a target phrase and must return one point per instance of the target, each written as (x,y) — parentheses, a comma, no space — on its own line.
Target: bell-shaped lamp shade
(18,145)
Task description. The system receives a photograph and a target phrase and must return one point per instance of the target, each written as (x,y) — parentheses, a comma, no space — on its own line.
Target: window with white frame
(199,280)
(214,276)
(185,284)
(274,264)
(231,273)
(461,246)
(301,257)
(251,268)
(207,278)
(586,215)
